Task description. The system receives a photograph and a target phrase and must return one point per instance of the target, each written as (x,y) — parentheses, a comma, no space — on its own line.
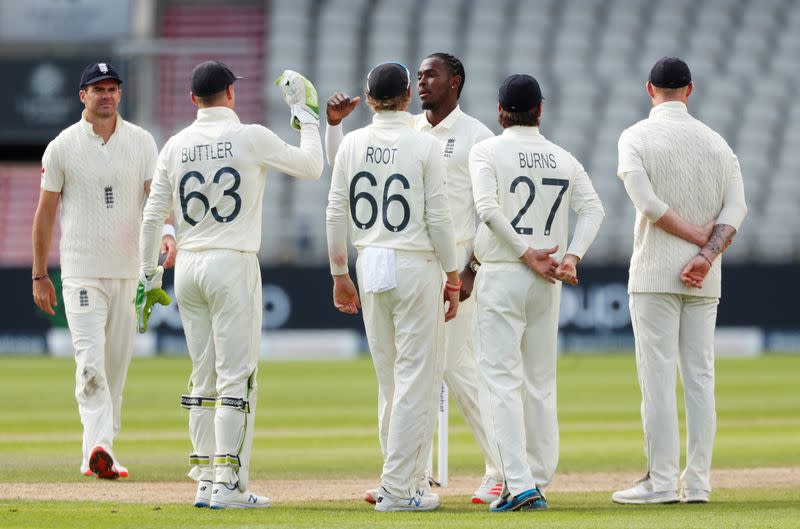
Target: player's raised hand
(44,295)
(695,271)
(345,295)
(541,262)
(567,271)
(301,96)
(339,107)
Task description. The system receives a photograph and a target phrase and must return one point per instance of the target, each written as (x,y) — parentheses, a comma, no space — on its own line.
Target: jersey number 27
(522,230)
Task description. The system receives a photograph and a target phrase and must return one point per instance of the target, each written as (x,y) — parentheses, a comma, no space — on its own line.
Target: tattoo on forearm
(721,235)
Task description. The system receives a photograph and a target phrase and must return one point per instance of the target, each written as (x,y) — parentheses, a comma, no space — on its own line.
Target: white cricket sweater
(102,193)
(690,166)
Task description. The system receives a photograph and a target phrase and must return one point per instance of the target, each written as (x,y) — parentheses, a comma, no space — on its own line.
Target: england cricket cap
(211,77)
(97,72)
(519,93)
(388,80)
(670,72)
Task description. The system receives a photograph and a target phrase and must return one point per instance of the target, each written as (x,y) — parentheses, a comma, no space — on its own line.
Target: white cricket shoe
(386,502)
(371,496)
(694,496)
(642,493)
(489,490)
(203,496)
(225,497)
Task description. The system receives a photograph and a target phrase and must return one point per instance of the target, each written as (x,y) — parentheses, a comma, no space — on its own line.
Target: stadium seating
(591,57)
(19,194)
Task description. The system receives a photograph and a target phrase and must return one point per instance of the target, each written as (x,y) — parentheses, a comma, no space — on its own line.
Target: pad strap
(231,402)
(187,401)
(226,460)
(198,460)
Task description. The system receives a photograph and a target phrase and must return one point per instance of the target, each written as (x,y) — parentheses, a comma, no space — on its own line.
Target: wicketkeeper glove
(301,96)
(148,293)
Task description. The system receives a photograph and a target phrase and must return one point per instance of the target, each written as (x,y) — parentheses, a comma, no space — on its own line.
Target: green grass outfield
(316,420)
(743,508)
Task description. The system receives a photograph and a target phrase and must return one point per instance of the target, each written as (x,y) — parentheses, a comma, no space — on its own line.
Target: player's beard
(428,105)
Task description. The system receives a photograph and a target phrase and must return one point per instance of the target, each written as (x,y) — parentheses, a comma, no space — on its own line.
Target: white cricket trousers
(102,321)
(676,331)
(219,297)
(461,370)
(405,331)
(516,333)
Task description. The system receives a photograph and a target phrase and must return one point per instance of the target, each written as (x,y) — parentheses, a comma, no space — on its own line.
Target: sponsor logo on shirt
(109,196)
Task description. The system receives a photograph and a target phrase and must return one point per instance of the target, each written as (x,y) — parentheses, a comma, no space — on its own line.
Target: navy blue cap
(211,77)
(519,93)
(388,80)
(670,72)
(97,72)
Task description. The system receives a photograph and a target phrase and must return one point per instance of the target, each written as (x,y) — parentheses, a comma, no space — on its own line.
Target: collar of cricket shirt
(522,131)
(217,114)
(446,123)
(393,117)
(89,128)
(669,106)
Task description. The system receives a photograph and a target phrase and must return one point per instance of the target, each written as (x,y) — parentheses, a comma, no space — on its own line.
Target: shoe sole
(101,464)
(697,500)
(408,509)
(535,506)
(647,502)
(201,504)
(219,506)
(524,505)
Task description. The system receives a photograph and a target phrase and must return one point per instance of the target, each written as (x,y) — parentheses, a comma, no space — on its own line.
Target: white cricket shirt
(690,167)
(213,174)
(524,186)
(457,133)
(388,187)
(102,192)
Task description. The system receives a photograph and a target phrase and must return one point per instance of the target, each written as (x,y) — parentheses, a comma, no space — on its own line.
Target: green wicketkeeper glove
(301,96)
(148,293)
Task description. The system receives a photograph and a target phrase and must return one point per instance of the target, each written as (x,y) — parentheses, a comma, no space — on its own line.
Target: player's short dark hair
(528,118)
(209,100)
(454,64)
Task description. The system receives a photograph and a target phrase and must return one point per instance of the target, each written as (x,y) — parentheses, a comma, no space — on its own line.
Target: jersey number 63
(197,195)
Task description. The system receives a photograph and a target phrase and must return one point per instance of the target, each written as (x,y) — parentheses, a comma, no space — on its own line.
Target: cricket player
(214,172)
(100,170)
(524,186)
(440,80)
(687,187)
(388,188)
